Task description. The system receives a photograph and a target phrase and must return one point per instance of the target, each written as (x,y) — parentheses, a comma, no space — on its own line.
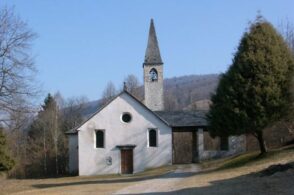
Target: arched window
(153,76)
(152,138)
(99,139)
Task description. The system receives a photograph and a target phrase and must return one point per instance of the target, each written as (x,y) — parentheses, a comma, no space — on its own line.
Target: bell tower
(153,73)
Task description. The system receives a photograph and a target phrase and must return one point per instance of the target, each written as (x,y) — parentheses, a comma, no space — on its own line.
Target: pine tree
(44,138)
(254,92)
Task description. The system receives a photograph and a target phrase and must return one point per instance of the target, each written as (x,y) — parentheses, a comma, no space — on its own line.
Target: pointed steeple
(152,55)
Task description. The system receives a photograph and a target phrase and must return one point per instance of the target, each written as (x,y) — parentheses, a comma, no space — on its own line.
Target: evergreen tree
(6,163)
(45,137)
(254,92)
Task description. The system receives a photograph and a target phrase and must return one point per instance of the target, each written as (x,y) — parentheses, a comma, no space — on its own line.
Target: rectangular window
(224,143)
(99,135)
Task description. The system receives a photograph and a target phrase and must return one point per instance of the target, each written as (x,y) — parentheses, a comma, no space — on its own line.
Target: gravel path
(164,183)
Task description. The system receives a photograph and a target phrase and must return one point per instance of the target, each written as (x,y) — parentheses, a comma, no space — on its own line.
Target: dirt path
(164,183)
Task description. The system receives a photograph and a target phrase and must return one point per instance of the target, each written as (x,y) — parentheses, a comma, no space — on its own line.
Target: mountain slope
(179,92)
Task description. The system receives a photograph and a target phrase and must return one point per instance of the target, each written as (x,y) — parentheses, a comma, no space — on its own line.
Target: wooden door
(126,161)
(184,147)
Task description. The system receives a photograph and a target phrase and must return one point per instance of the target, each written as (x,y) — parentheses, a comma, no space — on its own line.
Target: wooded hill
(184,92)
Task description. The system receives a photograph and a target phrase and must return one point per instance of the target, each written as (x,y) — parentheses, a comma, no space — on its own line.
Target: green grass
(247,159)
(240,160)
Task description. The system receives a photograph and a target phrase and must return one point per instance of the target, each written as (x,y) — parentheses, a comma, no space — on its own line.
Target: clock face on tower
(153,75)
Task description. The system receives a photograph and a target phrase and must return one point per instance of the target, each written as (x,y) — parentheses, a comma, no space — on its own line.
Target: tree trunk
(261,142)
(56,140)
(45,152)
(56,158)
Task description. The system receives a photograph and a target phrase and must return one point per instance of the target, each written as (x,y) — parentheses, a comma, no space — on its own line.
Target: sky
(82,45)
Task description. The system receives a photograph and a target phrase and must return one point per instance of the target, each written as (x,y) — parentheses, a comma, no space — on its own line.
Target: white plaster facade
(86,159)
(92,160)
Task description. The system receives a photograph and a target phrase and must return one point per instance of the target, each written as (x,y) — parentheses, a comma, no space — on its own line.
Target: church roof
(75,130)
(184,118)
(171,118)
(152,55)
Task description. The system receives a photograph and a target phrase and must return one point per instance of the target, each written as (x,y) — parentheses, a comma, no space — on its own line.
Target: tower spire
(153,73)
(152,55)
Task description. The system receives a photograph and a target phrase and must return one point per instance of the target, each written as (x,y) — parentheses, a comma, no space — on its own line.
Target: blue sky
(82,45)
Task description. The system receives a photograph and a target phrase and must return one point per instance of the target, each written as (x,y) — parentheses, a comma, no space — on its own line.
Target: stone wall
(154,89)
(237,145)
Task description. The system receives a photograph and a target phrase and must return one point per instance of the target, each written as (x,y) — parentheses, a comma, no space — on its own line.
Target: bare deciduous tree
(170,102)
(109,92)
(40,148)
(17,141)
(287,30)
(72,112)
(132,84)
(16,65)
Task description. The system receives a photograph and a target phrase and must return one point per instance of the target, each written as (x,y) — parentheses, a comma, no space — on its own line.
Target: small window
(126,117)
(99,139)
(224,143)
(153,76)
(152,138)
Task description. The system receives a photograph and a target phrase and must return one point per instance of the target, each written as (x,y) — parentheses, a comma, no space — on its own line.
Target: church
(127,136)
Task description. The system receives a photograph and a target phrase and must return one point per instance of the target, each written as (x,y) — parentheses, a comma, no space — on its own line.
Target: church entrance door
(126,155)
(126,161)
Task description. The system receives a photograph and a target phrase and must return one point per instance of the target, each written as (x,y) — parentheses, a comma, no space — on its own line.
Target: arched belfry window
(153,76)
(152,134)
(99,138)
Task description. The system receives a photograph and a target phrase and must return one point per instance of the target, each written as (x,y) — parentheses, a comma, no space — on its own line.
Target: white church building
(127,136)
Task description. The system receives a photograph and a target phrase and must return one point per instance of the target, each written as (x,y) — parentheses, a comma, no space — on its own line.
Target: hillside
(180,93)
(187,90)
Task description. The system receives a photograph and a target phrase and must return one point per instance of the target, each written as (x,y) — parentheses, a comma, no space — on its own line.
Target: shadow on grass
(227,186)
(99,181)
(88,182)
(233,162)
(170,175)
(246,159)
(251,183)
(241,161)
(130,179)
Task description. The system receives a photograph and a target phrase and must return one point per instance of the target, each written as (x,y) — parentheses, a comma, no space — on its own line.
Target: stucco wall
(73,153)
(92,161)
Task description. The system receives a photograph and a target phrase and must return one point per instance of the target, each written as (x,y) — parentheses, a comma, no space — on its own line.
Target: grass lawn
(235,175)
(240,175)
(102,184)
(251,158)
